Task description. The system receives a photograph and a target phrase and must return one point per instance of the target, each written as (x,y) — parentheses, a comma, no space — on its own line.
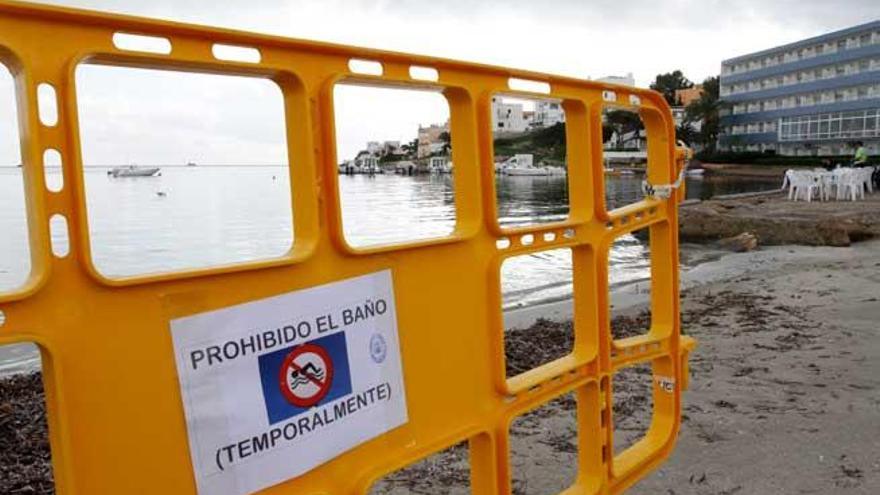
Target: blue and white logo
(378,348)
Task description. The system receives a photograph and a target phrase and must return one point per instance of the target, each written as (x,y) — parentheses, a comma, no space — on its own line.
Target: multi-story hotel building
(812,97)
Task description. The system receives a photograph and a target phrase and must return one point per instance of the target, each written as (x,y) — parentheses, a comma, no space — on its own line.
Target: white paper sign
(273,388)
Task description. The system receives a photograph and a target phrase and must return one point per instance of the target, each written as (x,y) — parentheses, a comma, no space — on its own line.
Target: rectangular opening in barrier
(25,459)
(537,304)
(632,404)
(625,155)
(182,170)
(15,258)
(141,43)
(531,183)
(446,472)
(629,281)
(394,153)
(544,448)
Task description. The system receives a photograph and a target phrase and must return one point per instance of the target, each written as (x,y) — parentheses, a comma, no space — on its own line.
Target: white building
(391,148)
(813,97)
(627,80)
(377,148)
(547,113)
(373,147)
(679,114)
(507,117)
(430,139)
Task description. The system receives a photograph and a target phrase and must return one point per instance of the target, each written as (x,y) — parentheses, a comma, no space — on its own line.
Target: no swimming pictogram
(298,378)
(306,375)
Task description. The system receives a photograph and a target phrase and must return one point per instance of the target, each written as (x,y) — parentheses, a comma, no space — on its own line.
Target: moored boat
(133,171)
(522,165)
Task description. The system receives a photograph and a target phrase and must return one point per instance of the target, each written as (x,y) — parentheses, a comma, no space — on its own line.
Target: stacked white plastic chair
(803,183)
(786,181)
(830,182)
(865,174)
(850,184)
(843,183)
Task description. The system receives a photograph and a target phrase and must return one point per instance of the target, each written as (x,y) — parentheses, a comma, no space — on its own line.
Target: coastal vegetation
(667,84)
(765,158)
(706,111)
(547,144)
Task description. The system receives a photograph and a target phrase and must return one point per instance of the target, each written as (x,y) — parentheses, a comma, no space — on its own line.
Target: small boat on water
(190,164)
(695,172)
(522,165)
(533,171)
(363,164)
(133,171)
(619,172)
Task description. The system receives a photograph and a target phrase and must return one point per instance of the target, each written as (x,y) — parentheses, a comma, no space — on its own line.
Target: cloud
(569,37)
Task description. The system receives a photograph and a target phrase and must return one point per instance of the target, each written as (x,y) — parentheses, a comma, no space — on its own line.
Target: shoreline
(716,266)
(707,265)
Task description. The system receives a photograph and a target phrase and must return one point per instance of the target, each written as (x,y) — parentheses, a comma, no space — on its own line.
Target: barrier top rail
(331,366)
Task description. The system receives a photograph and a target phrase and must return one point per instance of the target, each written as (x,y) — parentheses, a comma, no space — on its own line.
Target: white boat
(534,171)
(695,172)
(361,165)
(133,171)
(522,165)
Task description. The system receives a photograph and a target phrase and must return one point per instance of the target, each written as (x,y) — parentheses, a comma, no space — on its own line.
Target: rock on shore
(777,221)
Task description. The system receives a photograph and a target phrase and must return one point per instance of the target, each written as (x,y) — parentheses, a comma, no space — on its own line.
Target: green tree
(410,149)
(686,132)
(446,139)
(666,84)
(706,110)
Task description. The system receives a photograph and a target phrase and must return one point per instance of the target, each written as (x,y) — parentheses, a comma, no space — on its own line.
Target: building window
(841,125)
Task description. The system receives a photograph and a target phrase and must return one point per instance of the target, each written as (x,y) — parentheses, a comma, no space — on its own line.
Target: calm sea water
(193,217)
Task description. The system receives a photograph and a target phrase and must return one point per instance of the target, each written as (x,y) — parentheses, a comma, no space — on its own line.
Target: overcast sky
(587,39)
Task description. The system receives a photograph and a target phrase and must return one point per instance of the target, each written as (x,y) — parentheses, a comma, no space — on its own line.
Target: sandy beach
(785,390)
(785,382)
(784,397)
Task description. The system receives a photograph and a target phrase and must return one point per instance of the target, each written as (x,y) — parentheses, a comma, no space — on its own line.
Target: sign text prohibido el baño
(273,388)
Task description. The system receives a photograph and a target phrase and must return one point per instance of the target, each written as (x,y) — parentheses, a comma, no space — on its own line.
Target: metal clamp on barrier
(663,191)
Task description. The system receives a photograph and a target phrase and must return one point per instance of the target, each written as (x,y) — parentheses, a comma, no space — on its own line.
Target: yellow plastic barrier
(126,406)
